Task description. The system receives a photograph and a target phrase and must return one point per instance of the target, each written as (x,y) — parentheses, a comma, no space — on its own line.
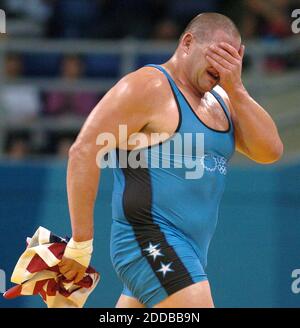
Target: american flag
(37,272)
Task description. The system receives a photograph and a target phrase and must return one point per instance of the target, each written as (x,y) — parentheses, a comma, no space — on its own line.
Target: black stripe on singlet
(137,206)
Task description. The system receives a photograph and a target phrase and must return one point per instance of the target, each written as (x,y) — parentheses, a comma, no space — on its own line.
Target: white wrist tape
(80,252)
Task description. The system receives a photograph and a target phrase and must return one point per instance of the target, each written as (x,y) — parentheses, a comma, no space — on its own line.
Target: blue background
(253,253)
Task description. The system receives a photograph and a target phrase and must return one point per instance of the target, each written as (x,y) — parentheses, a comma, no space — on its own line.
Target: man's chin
(207,88)
(203,88)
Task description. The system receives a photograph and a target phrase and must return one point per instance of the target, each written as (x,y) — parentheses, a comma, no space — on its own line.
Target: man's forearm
(82,184)
(255,125)
(256,133)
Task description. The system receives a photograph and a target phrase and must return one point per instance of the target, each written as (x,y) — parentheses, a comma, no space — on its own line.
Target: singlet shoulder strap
(176,93)
(223,105)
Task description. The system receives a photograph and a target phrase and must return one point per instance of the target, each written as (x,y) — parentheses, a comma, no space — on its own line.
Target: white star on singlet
(155,253)
(165,268)
(151,248)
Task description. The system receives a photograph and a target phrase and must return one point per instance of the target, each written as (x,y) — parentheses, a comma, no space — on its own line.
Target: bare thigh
(197,295)
(128,302)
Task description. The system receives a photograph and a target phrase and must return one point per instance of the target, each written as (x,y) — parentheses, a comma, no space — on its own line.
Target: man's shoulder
(144,88)
(144,80)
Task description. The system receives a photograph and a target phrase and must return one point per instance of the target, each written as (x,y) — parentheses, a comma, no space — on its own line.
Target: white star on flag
(155,253)
(151,248)
(165,268)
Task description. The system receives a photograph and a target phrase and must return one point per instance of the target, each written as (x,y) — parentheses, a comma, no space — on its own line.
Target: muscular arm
(125,103)
(256,134)
(130,103)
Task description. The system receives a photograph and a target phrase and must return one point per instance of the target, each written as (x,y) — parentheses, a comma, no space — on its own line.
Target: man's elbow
(73,151)
(273,154)
(83,154)
(77,152)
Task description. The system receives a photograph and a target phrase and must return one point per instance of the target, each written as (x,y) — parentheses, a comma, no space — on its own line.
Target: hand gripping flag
(37,272)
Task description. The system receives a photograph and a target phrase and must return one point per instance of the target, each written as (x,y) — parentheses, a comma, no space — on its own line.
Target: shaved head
(203,26)
(203,33)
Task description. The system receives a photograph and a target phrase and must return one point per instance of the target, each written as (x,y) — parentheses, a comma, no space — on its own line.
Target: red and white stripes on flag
(36,272)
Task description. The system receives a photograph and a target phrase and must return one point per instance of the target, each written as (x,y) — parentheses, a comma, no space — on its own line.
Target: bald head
(190,57)
(203,26)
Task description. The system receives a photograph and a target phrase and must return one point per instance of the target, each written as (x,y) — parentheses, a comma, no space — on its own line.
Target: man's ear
(186,42)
